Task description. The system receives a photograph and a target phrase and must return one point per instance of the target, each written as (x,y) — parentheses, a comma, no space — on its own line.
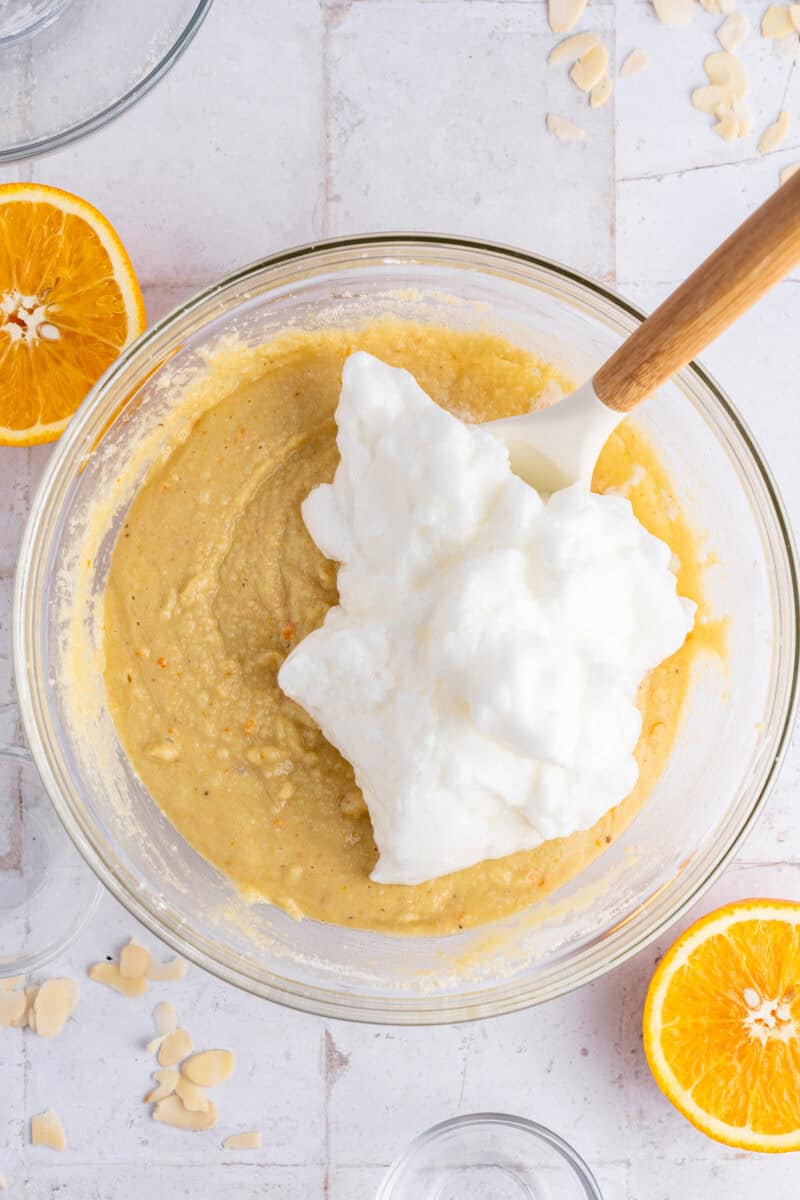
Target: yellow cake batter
(214,579)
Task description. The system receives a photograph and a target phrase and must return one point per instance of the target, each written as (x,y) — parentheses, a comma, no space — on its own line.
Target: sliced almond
(788,172)
(601,92)
(776,134)
(47,1130)
(726,7)
(564,130)
(777,22)
(134,960)
(636,62)
(170,971)
(209,1067)
(745,122)
(12,1008)
(674,12)
(590,68)
(109,974)
(192,1097)
(54,1003)
(153,1046)
(725,70)
(794,16)
(244,1141)
(727,127)
(712,99)
(12,983)
(572,48)
(170,1110)
(711,6)
(165,1081)
(734,32)
(564,15)
(164,1018)
(174,1047)
(30,1007)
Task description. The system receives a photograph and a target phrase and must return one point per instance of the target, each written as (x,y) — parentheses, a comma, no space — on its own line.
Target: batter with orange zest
(214,579)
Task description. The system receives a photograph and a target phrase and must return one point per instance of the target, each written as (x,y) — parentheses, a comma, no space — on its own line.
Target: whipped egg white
(481,669)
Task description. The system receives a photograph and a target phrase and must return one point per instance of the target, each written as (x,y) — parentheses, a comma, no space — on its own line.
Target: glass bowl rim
(592,961)
(537,1132)
(25,963)
(90,124)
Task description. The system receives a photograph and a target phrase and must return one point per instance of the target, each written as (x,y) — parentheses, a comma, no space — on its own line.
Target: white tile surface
(284,122)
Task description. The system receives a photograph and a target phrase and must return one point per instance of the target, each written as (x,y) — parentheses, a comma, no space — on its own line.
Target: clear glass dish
(68,67)
(738,714)
(47,893)
(489,1156)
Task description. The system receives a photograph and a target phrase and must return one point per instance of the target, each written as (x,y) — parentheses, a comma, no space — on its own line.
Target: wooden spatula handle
(753,259)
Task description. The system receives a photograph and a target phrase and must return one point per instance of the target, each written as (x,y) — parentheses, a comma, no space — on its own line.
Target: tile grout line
(328,14)
(614,182)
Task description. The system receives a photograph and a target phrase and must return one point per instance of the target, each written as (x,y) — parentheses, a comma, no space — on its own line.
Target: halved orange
(69,302)
(722,1025)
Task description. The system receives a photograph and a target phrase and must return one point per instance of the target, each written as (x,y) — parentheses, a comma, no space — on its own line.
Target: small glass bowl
(68,67)
(489,1156)
(47,893)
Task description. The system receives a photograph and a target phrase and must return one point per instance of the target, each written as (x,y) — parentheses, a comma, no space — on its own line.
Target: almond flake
(674,12)
(134,960)
(634,64)
(726,7)
(174,1047)
(601,92)
(777,22)
(209,1067)
(243,1141)
(712,6)
(12,1008)
(192,1097)
(170,971)
(564,130)
(590,68)
(774,135)
(164,1018)
(12,984)
(712,99)
(734,32)
(794,15)
(109,974)
(572,47)
(727,127)
(54,1003)
(725,70)
(152,1047)
(47,1130)
(745,122)
(170,1110)
(166,1081)
(30,1010)
(564,15)
(788,172)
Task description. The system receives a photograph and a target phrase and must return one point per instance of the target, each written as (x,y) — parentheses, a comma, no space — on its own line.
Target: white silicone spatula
(558,446)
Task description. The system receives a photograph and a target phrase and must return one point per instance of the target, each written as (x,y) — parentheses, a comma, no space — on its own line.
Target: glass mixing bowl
(737,717)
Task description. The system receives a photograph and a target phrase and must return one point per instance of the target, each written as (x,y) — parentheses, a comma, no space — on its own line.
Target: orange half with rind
(722,1025)
(69,303)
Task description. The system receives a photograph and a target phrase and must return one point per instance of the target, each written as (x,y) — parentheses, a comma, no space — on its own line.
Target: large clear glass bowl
(737,718)
(68,67)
